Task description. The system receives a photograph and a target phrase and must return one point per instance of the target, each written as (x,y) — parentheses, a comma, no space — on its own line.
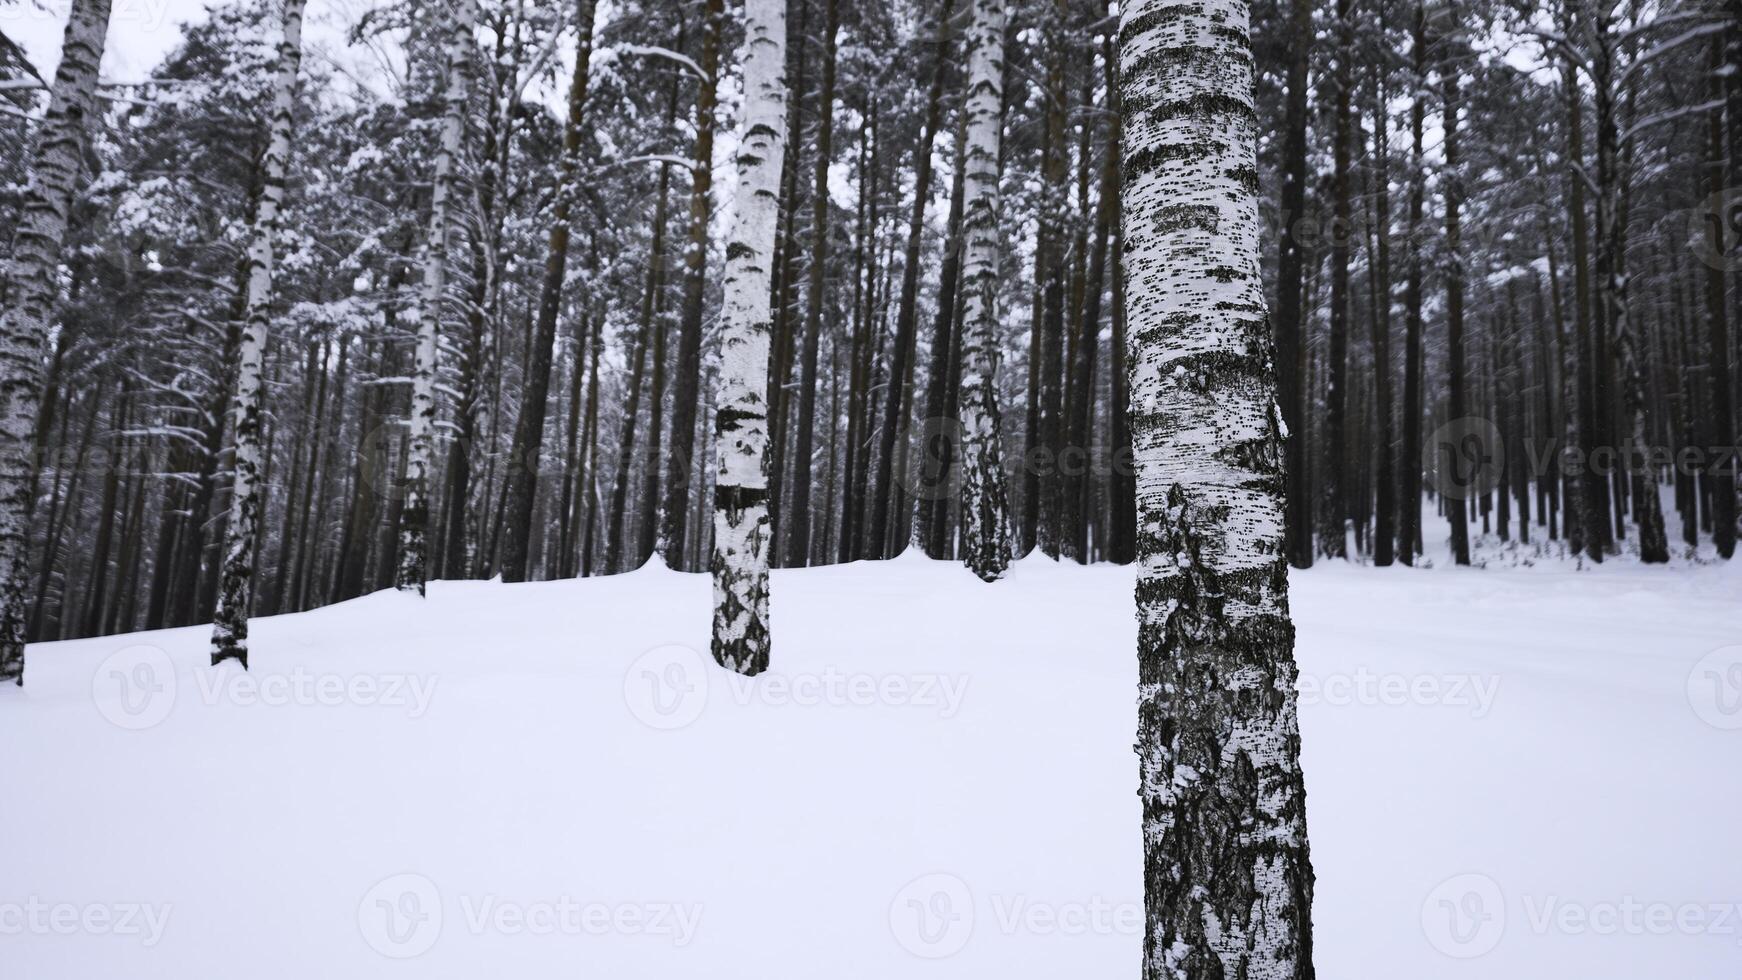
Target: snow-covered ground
(1513,773)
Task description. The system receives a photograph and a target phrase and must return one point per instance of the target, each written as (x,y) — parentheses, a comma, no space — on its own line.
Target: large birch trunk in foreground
(986,526)
(741,527)
(414,515)
(1227,881)
(27,297)
(236,589)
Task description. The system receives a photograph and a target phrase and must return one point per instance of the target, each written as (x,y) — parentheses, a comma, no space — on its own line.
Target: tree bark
(883,489)
(674,522)
(31,286)
(1228,881)
(1289,277)
(414,520)
(1456,383)
(523,461)
(741,526)
(236,589)
(986,526)
(798,523)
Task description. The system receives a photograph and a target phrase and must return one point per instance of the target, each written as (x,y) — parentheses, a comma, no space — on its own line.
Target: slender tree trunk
(1612,278)
(1289,278)
(615,530)
(523,463)
(414,520)
(30,287)
(674,522)
(883,489)
(1409,496)
(1333,505)
(236,591)
(986,525)
(1080,505)
(741,527)
(938,454)
(798,529)
(1722,469)
(1457,398)
(1593,518)
(1384,534)
(1050,263)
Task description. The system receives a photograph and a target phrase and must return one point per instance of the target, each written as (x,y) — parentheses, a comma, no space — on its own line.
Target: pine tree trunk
(30,287)
(1457,406)
(798,522)
(939,454)
(1593,519)
(414,520)
(1289,279)
(741,528)
(986,525)
(1333,505)
(1612,278)
(1228,882)
(883,489)
(236,588)
(1409,456)
(674,521)
(1050,264)
(523,461)
(1720,418)
(1385,507)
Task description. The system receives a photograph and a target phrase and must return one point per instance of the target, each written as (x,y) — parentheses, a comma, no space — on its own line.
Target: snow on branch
(1659,50)
(653,51)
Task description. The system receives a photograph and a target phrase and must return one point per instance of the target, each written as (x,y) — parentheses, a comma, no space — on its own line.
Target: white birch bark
(27,296)
(741,526)
(414,515)
(1228,883)
(986,524)
(236,584)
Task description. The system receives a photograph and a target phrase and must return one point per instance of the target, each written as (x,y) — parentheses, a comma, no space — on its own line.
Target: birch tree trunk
(1228,883)
(27,296)
(742,533)
(414,515)
(986,524)
(236,588)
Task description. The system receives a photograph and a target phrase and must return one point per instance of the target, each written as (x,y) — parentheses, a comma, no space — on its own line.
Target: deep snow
(1516,772)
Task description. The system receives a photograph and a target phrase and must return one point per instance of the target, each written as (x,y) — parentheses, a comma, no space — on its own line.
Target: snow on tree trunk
(986,526)
(236,587)
(741,527)
(27,296)
(1228,884)
(414,516)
